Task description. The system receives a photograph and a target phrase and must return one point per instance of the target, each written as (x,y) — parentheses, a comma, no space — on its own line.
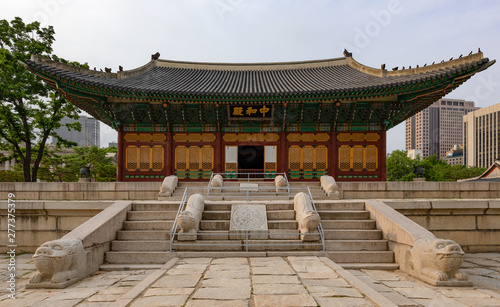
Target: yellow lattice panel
(294,137)
(372,137)
(194,158)
(231,167)
(157,158)
(131,158)
(307,158)
(345,158)
(321,158)
(144,137)
(244,137)
(272,137)
(131,137)
(357,158)
(180,137)
(294,154)
(358,137)
(207,158)
(230,137)
(159,137)
(144,158)
(322,137)
(181,158)
(344,137)
(194,137)
(308,137)
(270,167)
(208,137)
(371,158)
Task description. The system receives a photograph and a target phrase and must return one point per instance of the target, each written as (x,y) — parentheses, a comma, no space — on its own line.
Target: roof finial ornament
(95,68)
(403,67)
(417,66)
(107,69)
(395,68)
(347,53)
(155,56)
(478,50)
(451,58)
(470,53)
(425,64)
(120,68)
(460,56)
(382,66)
(409,67)
(433,63)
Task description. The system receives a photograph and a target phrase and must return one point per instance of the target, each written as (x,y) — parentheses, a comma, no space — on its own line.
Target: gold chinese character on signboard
(251,111)
(238,111)
(264,110)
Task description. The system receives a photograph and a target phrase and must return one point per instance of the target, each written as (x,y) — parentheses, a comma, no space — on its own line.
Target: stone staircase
(351,237)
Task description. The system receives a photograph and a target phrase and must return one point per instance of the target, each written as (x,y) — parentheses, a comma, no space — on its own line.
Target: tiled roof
(267,79)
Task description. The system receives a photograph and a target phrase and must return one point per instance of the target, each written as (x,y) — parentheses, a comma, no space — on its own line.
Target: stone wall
(80,190)
(149,190)
(472,223)
(406,190)
(37,222)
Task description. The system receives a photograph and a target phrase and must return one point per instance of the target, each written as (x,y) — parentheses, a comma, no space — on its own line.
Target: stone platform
(255,281)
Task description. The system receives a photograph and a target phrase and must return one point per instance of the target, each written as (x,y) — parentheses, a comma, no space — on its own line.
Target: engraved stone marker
(248,218)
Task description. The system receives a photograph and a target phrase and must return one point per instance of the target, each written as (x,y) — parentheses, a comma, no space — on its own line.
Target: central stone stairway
(351,237)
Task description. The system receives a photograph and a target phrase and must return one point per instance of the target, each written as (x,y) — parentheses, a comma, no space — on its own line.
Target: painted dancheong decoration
(306,119)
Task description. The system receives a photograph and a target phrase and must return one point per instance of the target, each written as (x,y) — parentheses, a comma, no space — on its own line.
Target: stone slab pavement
(270,281)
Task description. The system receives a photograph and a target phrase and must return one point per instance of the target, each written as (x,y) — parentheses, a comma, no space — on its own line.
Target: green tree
(399,166)
(30,110)
(67,168)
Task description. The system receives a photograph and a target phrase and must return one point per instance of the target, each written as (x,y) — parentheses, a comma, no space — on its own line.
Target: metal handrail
(182,204)
(320,226)
(173,231)
(210,188)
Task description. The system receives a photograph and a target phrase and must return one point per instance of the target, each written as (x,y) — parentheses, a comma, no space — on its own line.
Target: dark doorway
(251,158)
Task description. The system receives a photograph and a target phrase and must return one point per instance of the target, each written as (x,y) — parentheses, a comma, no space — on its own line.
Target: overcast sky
(397,33)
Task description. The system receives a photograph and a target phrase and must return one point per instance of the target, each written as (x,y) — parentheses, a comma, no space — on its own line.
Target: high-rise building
(482,136)
(89,135)
(436,129)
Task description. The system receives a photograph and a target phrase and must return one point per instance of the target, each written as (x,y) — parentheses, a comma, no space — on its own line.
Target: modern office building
(455,156)
(89,135)
(481,136)
(436,129)
(306,119)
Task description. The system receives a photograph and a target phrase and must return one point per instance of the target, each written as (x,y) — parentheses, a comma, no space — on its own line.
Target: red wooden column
(282,154)
(332,155)
(169,148)
(218,155)
(120,158)
(383,156)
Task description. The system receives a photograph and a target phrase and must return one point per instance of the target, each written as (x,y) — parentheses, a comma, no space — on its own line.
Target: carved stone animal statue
(189,219)
(330,186)
(279,182)
(217,181)
(85,172)
(168,187)
(435,260)
(60,261)
(306,217)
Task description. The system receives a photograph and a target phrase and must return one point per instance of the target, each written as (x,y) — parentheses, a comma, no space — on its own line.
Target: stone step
(226,206)
(214,225)
(370,266)
(148,225)
(151,215)
(135,235)
(271,215)
(344,215)
(275,234)
(282,224)
(159,206)
(216,215)
(348,224)
(341,206)
(150,245)
(356,245)
(253,245)
(129,267)
(137,257)
(355,234)
(225,254)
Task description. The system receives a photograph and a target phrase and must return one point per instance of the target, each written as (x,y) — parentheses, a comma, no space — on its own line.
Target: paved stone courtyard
(274,281)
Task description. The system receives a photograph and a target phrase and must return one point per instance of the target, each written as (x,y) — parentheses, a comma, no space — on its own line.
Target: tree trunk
(27,170)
